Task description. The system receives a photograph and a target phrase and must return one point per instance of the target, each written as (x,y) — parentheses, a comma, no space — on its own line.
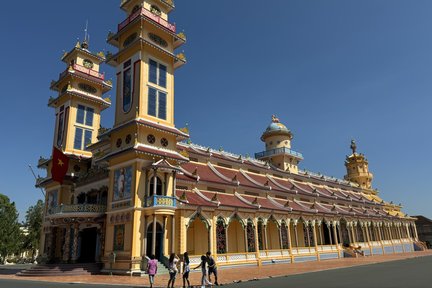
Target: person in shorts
(186,269)
(212,268)
(152,269)
(173,260)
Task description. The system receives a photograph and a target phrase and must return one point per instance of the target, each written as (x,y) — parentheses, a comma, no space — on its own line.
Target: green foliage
(10,233)
(33,225)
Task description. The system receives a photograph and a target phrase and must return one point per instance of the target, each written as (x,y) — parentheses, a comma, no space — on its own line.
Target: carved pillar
(330,232)
(265,237)
(75,242)
(306,225)
(257,251)
(314,235)
(296,235)
(154,236)
(66,250)
(173,234)
(164,222)
(144,251)
(320,227)
(415,232)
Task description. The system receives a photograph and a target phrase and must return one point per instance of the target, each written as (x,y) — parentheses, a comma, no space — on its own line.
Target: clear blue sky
(330,70)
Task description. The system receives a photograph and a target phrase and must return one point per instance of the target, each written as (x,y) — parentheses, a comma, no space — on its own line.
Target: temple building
(142,188)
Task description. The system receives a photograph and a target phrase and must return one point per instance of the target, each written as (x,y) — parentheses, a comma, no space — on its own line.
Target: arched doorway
(158,244)
(273,238)
(236,237)
(344,231)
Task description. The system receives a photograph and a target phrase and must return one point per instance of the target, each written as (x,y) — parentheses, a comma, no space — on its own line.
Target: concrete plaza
(414,268)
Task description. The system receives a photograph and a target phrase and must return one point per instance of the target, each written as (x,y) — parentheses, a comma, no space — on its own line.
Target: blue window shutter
(78,138)
(87,138)
(80,114)
(153,71)
(89,116)
(162,106)
(152,102)
(162,75)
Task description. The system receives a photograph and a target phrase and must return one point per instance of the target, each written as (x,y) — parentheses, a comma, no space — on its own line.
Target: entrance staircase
(61,270)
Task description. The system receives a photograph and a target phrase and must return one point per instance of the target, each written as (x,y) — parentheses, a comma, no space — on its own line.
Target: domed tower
(357,168)
(277,139)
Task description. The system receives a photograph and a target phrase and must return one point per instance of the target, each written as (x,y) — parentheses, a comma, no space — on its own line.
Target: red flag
(60,165)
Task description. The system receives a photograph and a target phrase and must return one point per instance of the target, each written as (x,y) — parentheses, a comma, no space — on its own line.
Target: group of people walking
(207,265)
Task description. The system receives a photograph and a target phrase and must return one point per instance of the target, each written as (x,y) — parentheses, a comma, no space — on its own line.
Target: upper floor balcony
(158,201)
(278,151)
(77,210)
(148,15)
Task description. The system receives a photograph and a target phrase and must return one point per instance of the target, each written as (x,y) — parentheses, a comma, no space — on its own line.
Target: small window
(85,115)
(157,103)
(158,186)
(155,10)
(157,73)
(151,139)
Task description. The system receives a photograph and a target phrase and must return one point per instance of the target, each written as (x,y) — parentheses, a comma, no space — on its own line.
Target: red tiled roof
(193,198)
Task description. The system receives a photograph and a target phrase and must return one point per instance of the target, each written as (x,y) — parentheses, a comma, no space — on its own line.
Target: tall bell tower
(358,168)
(143,158)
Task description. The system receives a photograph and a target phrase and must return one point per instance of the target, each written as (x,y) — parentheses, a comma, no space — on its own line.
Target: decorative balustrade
(149,15)
(84,70)
(161,201)
(77,208)
(282,150)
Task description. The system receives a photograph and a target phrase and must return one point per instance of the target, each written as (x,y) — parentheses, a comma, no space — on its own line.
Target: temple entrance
(159,241)
(344,231)
(88,245)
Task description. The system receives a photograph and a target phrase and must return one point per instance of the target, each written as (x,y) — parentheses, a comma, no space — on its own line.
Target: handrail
(77,208)
(148,14)
(280,150)
(161,201)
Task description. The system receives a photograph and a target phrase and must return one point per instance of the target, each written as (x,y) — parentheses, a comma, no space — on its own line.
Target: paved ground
(228,276)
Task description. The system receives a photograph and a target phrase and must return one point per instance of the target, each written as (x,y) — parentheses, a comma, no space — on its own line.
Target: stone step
(61,269)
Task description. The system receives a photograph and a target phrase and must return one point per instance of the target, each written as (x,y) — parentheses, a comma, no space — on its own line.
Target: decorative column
(75,242)
(154,236)
(144,252)
(335,237)
(172,234)
(415,231)
(349,232)
(154,183)
(296,235)
(265,236)
(164,226)
(320,227)
(257,251)
(50,244)
(328,225)
(306,225)
(66,250)
(289,238)
(314,235)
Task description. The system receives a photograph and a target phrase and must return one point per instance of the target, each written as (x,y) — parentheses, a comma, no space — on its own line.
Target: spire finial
(353,146)
(85,43)
(275,119)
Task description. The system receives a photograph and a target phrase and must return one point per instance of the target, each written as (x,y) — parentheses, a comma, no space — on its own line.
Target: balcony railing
(282,150)
(84,70)
(78,208)
(88,71)
(161,201)
(149,15)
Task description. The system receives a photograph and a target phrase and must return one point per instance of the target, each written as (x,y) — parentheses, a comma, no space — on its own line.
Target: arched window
(155,10)
(284,236)
(221,237)
(158,186)
(250,236)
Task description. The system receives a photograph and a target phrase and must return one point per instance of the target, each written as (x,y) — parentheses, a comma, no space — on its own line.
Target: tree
(33,225)
(10,233)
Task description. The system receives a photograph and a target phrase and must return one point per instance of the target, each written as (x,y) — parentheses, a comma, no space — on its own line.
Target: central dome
(276,128)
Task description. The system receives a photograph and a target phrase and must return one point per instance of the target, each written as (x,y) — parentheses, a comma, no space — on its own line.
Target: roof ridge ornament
(353,146)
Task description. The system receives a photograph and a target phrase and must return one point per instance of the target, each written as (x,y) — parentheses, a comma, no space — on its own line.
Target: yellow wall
(197,238)
(272,236)
(236,237)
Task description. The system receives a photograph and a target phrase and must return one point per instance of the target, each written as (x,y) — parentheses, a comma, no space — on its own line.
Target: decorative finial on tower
(275,119)
(86,42)
(353,146)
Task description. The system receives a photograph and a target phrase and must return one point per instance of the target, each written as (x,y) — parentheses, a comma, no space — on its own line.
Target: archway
(197,237)
(236,237)
(273,240)
(158,245)
(344,232)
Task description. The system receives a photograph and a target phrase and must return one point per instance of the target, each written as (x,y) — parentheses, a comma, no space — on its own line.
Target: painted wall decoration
(119,233)
(122,183)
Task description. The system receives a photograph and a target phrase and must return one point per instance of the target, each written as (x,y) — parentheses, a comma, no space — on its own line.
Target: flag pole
(36,178)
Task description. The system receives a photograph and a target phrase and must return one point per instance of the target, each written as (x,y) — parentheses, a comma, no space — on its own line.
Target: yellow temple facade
(141,189)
